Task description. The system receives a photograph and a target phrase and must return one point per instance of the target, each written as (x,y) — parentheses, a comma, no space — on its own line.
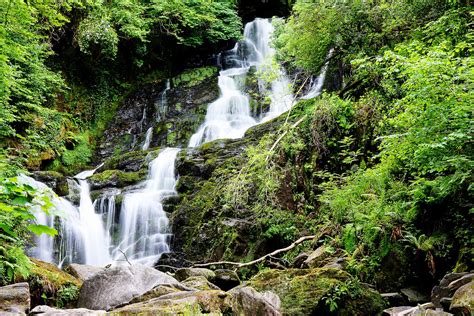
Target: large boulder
(119,285)
(82,271)
(247,301)
(463,300)
(15,298)
(47,310)
(200,283)
(311,291)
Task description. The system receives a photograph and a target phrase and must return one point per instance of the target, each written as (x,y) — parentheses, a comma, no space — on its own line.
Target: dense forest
(368,184)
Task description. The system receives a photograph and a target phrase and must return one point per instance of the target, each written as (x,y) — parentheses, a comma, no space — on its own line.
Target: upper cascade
(230,116)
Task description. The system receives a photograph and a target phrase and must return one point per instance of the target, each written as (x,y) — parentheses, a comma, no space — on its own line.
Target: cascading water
(230,116)
(144,225)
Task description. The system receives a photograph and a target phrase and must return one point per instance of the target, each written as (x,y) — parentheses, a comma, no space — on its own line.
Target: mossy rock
(51,286)
(116,178)
(311,292)
(192,77)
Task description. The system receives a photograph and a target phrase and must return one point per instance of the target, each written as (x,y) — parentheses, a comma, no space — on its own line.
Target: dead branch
(246,264)
(123,253)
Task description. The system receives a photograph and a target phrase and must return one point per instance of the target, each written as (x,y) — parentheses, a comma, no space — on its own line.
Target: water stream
(95,233)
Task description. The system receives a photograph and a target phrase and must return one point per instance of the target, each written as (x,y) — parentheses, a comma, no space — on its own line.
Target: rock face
(226,279)
(82,271)
(247,301)
(118,285)
(173,116)
(15,298)
(463,300)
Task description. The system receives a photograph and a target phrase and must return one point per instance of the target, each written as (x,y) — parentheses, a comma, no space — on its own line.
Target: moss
(52,286)
(193,77)
(117,178)
(307,291)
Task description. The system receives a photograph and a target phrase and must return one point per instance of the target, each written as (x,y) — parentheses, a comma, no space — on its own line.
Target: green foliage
(80,154)
(194,76)
(66,295)
(13,263)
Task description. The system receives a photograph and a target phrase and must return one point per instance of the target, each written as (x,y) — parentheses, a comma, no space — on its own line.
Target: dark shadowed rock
(315,259)
(119,285)
(226,279)
(414,296)
(15,298)
(299,260)
(465,279)
(450,277)
(247,301)
(394,299)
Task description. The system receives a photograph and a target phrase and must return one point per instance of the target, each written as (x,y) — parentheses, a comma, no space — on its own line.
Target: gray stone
(247,301)
(183,274)
(414,296)
(465,279)
(119,285)
(46,310)
(315,259)
(463,300)
(226,279)
(15,298)
(82,271)
(393,311)
(394,299)
(336,263)
(450,277)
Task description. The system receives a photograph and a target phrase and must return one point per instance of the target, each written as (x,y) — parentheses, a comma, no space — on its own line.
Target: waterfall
(141,231)
(146,143)
(230,116)
(143,223)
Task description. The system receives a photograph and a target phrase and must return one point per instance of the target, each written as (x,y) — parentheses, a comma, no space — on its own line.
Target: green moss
(52,286)
(117,177)
(193,77)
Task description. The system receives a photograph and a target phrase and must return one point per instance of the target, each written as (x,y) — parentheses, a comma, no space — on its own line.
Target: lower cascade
(95,233)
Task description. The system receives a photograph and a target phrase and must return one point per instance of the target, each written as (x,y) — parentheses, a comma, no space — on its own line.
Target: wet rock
(183,274)
(119,285)
(438,293)
(82,271)
(15,298)
(46,310)
(54,180)
(414,296)
(226,279)
(187,303)
(315,259)
(302,290)
(394,299)
(463,300)
(200,283)
(247,301)
(115,178)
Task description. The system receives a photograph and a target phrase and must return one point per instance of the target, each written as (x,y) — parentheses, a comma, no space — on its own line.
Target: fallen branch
(246,264)
(123,253)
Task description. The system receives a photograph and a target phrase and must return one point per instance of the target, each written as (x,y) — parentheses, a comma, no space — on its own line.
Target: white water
(230,116)
(143,228)
(143,223)
(316,85)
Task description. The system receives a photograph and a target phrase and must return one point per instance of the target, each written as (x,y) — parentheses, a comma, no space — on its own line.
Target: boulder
(465,279)
(185,273)
(463,300)
(200,283)
(315,259)
(420,310)
(46,310)
(394,299)
(226,279)
(450,277)
(303,291)
(187,303)
(15,298)
(299,260)
(414,296)
(82,271)
(119,285)
(247,301)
